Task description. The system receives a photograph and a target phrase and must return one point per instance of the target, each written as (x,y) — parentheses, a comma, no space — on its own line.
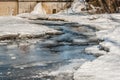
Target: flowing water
(34,59)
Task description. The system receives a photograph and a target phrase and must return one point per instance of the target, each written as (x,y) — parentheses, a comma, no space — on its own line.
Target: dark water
(23,59)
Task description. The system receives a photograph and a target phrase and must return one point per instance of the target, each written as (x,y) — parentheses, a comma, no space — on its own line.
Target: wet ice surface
(28,59)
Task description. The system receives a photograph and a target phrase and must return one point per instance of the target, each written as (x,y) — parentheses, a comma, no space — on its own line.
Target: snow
(104,68)
(39,10)
(95,50)
(20,28)
(76,7)
(80,41)
(111,40)
(13,57)
(69,68)
(103,21)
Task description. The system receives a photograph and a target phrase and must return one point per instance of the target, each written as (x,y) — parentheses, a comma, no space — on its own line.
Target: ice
(22,66)
(13,57)
(80,41)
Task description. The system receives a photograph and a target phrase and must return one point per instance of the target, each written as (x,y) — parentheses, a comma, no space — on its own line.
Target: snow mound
(39,10)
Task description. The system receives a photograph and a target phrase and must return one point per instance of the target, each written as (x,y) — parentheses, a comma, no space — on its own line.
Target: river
(34,59)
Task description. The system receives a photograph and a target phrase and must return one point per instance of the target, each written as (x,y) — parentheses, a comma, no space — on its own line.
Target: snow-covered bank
(110,37)
(15,28)
(99,21)
(105,67)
